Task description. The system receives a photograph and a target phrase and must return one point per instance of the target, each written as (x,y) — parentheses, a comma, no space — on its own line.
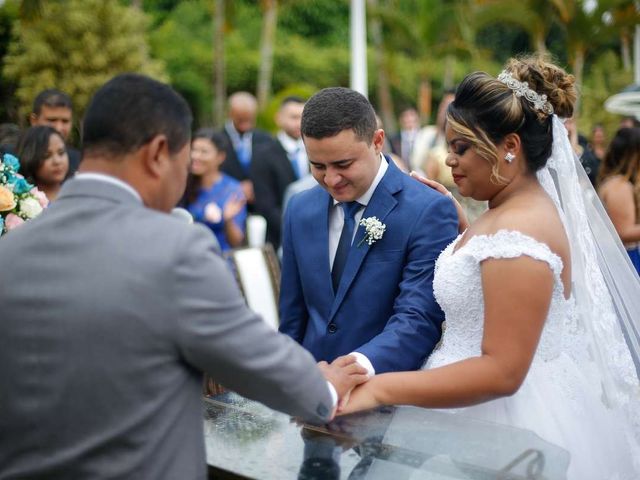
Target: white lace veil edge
(605,285)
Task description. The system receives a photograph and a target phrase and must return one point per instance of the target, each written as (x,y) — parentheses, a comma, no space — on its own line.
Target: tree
(219,84)
(77,46)
(533,16)
(269,23)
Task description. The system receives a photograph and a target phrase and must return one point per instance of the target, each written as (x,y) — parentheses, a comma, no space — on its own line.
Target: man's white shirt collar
(101,177)
(288,143)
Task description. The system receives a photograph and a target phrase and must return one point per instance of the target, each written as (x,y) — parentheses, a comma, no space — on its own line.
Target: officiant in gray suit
(111,309)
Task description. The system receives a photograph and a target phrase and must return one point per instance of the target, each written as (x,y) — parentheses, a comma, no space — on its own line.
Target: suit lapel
(381,204)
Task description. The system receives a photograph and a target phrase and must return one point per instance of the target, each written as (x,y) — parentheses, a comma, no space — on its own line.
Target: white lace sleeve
(512,244)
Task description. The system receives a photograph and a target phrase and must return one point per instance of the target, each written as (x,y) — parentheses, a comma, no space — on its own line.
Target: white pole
(359,47)
(636,56)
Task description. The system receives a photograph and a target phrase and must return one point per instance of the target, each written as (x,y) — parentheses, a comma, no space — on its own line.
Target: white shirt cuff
(363,361)
(334,395)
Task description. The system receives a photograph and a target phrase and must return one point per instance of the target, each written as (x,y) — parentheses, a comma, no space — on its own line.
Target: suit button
(333,328)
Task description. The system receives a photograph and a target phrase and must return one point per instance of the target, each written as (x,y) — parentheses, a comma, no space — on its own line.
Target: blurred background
(208,49)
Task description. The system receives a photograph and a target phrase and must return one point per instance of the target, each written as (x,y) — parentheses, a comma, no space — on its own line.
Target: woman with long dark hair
(43,159)
(619,189)
(213,198)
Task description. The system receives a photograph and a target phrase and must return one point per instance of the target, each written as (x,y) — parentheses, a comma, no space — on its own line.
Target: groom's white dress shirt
(336,221)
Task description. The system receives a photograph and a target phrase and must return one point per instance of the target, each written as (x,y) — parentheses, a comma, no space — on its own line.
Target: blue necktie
(293,158)
(243,155)
(342,252)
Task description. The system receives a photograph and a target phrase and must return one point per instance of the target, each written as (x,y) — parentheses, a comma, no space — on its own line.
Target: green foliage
(266,119)
(607,77)
(8,17)
(77,46)
(190,69)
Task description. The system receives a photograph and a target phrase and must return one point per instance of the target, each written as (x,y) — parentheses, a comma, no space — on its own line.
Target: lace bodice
(458,289)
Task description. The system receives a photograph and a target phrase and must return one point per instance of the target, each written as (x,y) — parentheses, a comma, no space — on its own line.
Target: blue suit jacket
(384,306)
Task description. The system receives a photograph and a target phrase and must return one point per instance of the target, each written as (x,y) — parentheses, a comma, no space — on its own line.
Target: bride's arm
(517,295)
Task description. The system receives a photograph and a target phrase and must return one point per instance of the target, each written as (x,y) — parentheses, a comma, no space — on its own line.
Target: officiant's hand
(463,221)
(344,373)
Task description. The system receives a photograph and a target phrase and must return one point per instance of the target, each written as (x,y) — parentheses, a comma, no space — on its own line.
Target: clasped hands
(346,374)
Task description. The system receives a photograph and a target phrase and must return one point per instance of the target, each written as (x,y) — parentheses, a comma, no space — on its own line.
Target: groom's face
(344,165)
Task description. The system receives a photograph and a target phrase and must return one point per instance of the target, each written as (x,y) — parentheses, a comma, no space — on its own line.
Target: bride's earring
(509,157)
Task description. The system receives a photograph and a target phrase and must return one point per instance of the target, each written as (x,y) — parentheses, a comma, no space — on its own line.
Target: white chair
(256,231)
(258,274)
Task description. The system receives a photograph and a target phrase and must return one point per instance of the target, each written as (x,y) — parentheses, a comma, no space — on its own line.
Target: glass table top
(250,440)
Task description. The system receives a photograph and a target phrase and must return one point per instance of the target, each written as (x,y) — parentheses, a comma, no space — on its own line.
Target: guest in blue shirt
(213,198)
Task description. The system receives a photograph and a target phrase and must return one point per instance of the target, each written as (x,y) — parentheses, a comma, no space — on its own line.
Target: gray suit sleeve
(218,334)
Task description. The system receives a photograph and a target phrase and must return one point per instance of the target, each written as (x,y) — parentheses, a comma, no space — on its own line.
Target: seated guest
(43,159)
(212,197)
(54,108)
(619,189)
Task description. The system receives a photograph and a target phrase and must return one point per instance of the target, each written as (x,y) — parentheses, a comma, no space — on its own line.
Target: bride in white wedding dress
(533,337)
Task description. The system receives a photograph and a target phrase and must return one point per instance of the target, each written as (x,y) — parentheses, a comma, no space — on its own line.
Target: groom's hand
(344,373)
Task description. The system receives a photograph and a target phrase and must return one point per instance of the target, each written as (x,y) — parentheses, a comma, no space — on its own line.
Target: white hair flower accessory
(374,230)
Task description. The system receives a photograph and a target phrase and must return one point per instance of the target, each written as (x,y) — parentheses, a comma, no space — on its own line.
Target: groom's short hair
(332,110)
(129,110)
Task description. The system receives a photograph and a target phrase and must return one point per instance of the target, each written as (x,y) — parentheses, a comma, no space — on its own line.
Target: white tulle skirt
(559,402)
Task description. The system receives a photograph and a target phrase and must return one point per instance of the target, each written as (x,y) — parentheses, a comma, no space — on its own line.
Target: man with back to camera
(111,309)
(345,290)
(54,108)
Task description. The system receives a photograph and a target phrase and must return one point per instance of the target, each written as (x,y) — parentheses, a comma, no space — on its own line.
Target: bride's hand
(363,397)
(463,222)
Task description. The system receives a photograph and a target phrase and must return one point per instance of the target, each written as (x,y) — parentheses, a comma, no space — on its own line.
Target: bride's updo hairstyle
(485,110)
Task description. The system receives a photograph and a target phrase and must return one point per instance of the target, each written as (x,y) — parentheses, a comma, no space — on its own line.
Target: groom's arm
(414,329)
(293,309)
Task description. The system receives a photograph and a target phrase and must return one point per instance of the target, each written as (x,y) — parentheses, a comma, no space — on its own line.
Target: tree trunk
(384,91)
(219,93)
(265,74)
(447,80)
(625,50)
(540,46)
(136,4)
(424,100)
(578,70)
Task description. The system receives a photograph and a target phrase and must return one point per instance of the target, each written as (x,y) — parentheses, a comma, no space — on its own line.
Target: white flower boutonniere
(374,230)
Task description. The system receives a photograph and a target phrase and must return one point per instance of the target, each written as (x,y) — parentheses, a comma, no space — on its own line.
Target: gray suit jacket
(109,314)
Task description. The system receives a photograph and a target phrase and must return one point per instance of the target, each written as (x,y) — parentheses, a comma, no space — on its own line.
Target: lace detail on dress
(458,289)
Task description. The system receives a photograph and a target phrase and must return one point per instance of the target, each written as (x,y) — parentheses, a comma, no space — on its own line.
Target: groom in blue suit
(349,288)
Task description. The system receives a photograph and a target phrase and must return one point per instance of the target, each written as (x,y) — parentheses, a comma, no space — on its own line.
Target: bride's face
(471,172)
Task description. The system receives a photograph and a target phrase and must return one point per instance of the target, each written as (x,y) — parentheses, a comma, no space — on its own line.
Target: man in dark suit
(111,309)
(54,108)
(244,138)
(279,164)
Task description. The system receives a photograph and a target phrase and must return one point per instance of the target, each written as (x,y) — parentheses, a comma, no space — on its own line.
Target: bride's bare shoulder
(535,216)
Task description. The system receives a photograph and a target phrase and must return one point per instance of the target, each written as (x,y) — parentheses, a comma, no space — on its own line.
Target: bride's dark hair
(485,110)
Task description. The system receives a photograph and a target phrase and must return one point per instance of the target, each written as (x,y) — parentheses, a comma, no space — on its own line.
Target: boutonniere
(374,230)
